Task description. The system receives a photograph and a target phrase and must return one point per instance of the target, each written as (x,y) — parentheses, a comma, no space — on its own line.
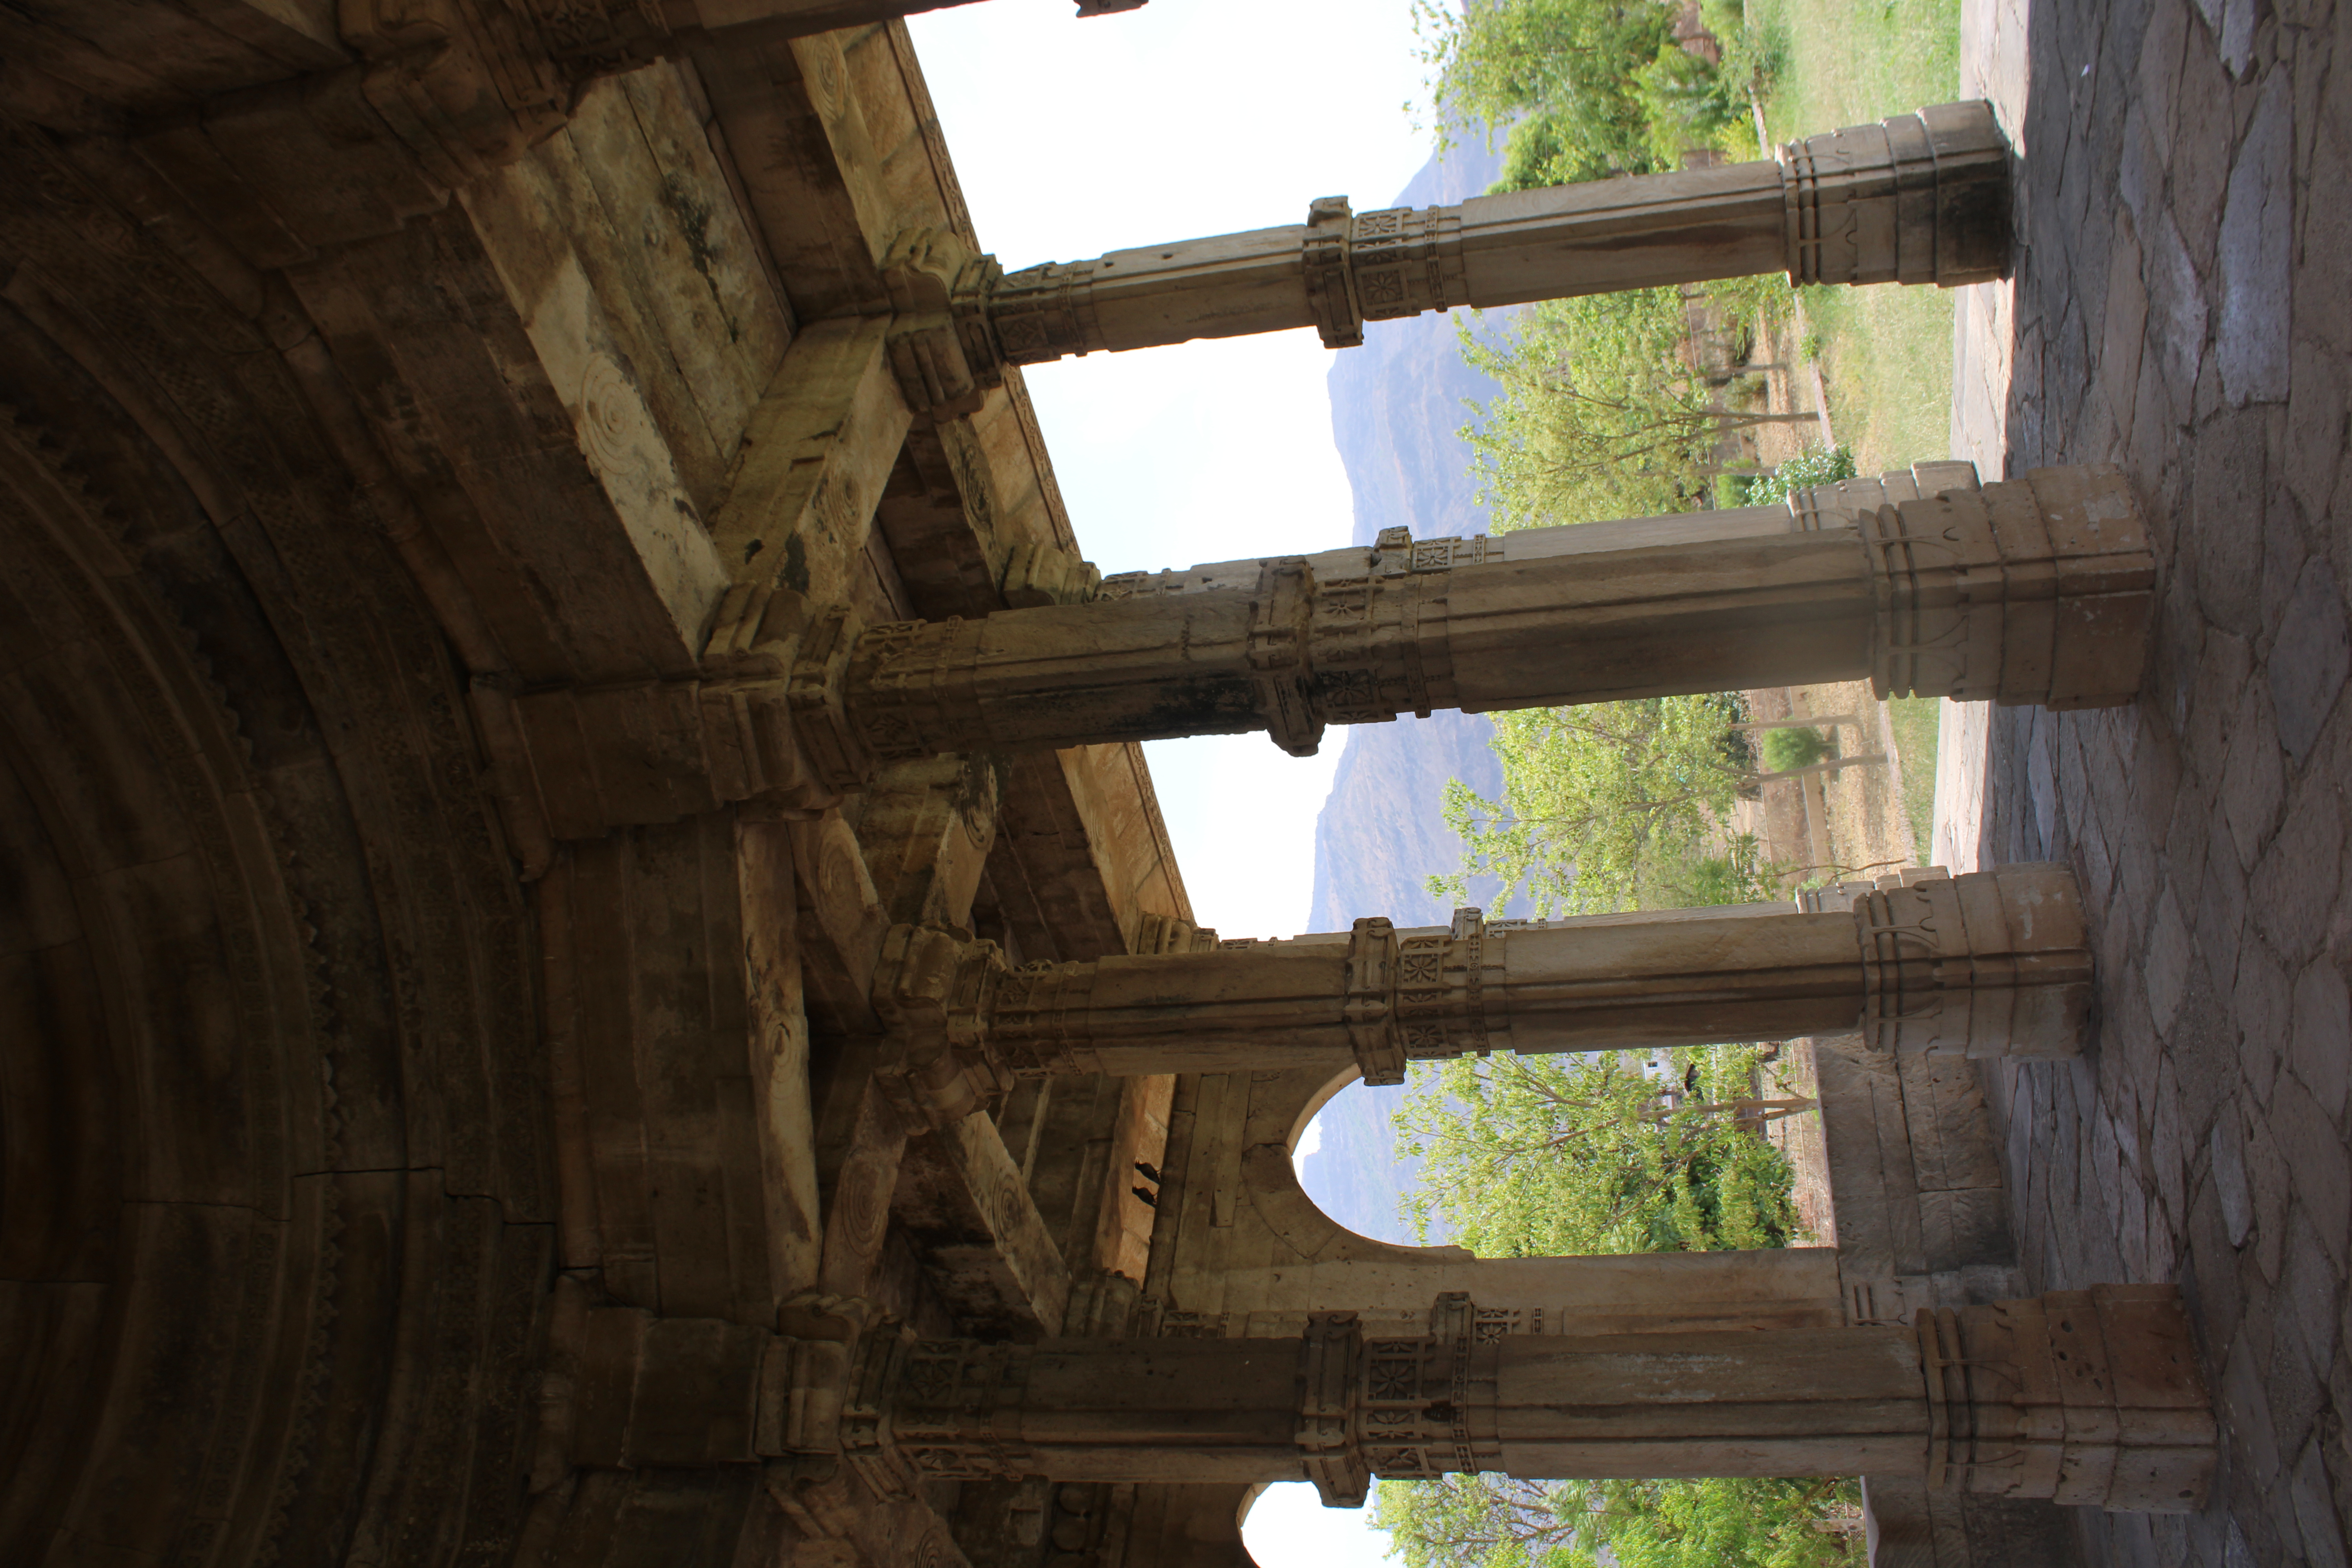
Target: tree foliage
(1613,805)
(1493,1522)
(1585,89)
(1606,1152)
(1602,411)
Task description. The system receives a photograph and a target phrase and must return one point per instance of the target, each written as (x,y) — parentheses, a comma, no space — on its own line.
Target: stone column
(2086,1397)
(2030,590)
(1920,198)
(1993,963)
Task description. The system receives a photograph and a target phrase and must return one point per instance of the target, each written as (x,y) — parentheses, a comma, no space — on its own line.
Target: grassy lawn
(1914,721)
(1887,353)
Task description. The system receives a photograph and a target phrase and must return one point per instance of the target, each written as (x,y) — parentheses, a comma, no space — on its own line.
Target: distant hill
(1396,404)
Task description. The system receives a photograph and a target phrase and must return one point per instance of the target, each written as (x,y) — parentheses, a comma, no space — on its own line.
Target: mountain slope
(1397,405)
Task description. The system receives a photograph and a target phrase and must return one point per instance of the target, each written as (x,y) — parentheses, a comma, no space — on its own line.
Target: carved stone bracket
(2086,1397)
(1370,1005)
(1329,1354)
(934,990)
(1330,285)
(1994,964)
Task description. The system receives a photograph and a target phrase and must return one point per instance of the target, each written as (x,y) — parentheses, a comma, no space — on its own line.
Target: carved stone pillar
(2087,1397)
(1992,963)
(1920,198)
(2035,590)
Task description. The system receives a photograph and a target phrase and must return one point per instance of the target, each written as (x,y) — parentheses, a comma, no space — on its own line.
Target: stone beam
(2084,1397)
(2032,591)
(1920,198)
(1994,964)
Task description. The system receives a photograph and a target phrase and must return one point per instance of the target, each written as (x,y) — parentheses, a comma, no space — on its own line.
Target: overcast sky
(1192,117)
(1188,117)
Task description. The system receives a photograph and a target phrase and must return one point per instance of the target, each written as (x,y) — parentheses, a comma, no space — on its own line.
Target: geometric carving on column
(1428,1403)
(2088,1397)
(2030,590)
(1991,964)
(945,1409)
(1432,1002)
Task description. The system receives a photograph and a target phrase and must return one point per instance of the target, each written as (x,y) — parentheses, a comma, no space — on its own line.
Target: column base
(2086,1397)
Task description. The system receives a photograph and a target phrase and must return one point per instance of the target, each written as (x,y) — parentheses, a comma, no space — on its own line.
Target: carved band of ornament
(1423,998)
(601,35)
(1036,1014)
(936,1407)
(2028,590)
(1427,1407)
(1860,204)
(913,682)
(1036,314)
(1378,265)
(1405,261)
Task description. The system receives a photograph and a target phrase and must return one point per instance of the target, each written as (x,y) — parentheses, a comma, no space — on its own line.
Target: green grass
(1887,352)
(1914,721)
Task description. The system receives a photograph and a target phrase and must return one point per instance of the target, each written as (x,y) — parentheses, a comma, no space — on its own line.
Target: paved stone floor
(2184,308)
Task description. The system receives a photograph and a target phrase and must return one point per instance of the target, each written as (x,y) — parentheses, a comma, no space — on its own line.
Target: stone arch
(274,1237)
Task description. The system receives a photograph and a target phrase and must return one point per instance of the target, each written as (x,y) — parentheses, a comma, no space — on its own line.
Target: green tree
(1562,73)
(1603,412)
(1604,1153)
(1813,466)
(1493,1521)
(1613,805)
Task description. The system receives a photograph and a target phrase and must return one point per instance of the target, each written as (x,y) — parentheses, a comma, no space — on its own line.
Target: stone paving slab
(2183,306)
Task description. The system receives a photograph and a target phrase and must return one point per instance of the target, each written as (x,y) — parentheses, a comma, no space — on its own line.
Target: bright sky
(1188,117)
(1192,117)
